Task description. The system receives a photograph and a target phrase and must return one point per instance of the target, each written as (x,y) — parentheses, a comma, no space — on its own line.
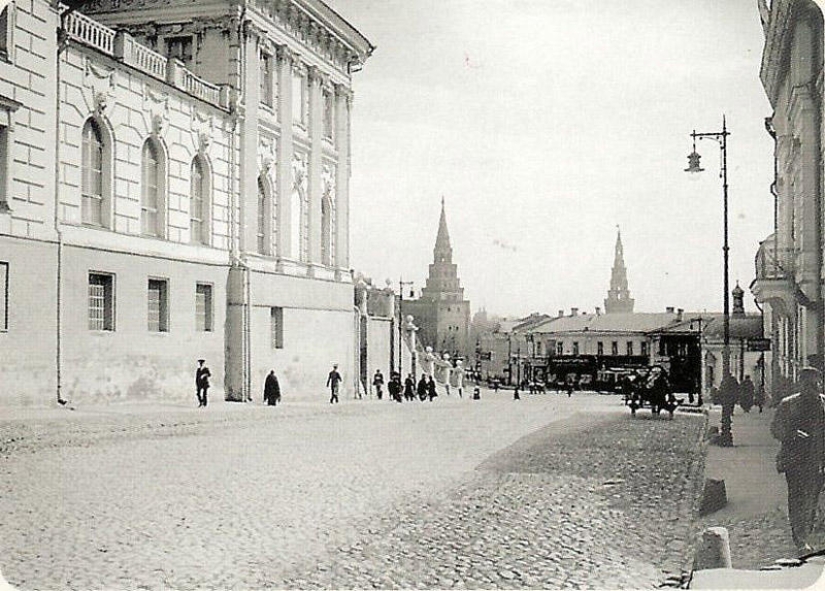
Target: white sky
(545,123)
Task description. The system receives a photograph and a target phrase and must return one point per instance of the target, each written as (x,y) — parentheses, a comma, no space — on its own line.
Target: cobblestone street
(548,492)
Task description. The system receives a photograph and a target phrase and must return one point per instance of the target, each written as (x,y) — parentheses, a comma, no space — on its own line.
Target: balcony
(775,270)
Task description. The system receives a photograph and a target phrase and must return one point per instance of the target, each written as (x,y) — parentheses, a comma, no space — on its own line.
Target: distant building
(441,313)
(618,296)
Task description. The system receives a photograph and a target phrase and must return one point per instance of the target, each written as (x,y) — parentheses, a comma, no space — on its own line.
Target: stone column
(315,130)
(343,104)
(284,188)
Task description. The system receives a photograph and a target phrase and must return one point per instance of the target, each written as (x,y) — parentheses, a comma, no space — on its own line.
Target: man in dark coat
(409,387)
(422,388)
(333,383)
(431,389)
(799,423)
(272,390)
(202,375)
(746,394)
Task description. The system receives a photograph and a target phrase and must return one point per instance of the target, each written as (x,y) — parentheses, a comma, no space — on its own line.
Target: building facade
(186,197)
(441,313)
(789,262)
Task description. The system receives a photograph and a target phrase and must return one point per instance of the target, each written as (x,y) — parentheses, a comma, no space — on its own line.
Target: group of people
(745,393)
(409,390)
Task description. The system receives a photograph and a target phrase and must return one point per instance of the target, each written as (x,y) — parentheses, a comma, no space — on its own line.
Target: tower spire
(443,252)
(618,296)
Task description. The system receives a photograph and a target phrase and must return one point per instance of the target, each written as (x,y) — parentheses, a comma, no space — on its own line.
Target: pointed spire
(443,251)
(618,296)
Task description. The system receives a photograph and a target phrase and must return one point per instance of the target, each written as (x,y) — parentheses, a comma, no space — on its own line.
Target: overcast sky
(544,124)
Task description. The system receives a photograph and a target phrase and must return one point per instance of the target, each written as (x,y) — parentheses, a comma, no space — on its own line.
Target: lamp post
(401,284)
(725,436)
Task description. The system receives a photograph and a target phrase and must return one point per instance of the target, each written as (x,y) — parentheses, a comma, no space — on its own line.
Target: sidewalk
(756,515)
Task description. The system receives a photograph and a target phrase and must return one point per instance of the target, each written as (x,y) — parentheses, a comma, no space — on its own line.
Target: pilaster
(343,105)
(285,148)
(316,132)
(249,140)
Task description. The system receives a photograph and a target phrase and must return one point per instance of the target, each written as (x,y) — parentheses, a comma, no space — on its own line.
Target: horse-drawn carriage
(649,387)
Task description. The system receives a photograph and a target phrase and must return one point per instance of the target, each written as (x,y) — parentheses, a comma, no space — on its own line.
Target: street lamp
(725,437)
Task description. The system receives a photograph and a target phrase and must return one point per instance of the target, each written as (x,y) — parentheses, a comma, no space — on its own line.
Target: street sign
(759,345)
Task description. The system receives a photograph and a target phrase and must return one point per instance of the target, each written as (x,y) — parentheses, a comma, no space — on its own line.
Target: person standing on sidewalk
(272,389)
(202,375)
(799,423)
(333,382)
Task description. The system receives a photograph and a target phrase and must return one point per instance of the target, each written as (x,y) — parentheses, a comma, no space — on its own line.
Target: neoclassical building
(789,262)
(176,187)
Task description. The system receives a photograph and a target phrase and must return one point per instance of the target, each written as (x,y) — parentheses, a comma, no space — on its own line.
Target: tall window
(203,307)
(5,32)
(300,98)
(575,348)
(199,202)
(329,115)
(92,172)
(4,164)
(180,48)
(266,97)
(263,211)
(158,305)
(614,348)
(101,302)
(276,316)
(600,348)
(4,295)
(630,348)
(559,348)
(151,191)
(644,349)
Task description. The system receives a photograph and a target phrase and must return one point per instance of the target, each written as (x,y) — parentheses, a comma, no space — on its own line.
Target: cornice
(774,54)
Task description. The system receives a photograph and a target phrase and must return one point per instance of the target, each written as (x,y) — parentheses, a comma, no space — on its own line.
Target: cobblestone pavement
(456,493)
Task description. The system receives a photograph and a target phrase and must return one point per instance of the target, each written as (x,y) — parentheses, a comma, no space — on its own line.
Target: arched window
(152,201)
(199,202)
(92,210)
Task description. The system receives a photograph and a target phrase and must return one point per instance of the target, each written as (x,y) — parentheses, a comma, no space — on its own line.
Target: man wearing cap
(333,381)
(799,424)
(202,375)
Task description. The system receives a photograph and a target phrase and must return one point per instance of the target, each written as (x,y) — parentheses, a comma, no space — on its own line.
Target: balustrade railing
(88,31)
(200,88)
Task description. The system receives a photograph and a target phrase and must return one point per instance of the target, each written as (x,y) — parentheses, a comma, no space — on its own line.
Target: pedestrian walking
(476,393)
(423,390)
(516,394)
(202,375)
(431,389)
(459,378)
(333,382)
(272,389)
(394,387)
(799,423)
(759,396)
(409,388)
(378,384)
(746,394)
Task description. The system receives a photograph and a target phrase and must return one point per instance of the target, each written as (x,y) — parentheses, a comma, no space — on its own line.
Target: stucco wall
(130,362)
(28,349)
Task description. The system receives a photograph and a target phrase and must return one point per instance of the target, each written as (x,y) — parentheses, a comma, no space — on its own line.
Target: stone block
(714,496)
(714,550)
